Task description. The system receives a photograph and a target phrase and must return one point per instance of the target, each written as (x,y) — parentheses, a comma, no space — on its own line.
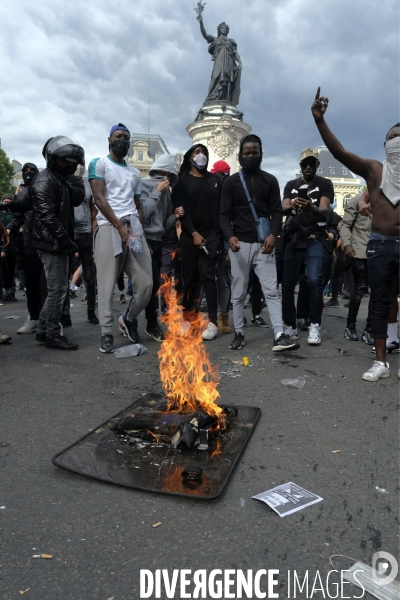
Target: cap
(309,153)
(220,167)
(119,126)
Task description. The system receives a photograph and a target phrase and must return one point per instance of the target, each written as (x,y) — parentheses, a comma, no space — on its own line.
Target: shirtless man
(383,182)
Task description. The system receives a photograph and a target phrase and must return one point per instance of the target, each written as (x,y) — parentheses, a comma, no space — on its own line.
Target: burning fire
(189,379)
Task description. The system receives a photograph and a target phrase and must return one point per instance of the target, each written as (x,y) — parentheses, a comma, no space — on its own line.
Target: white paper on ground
(287,498)
(360,573)
(13,317)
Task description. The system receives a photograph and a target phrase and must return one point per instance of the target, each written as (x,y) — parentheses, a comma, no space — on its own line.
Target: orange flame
(189,379)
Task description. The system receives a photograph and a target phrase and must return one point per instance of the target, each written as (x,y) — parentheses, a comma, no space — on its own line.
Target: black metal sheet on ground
(118,458)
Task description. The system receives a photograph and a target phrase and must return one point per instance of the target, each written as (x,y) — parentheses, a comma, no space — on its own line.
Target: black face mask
(65,171)
(120,148)
(251,163)
(27,177)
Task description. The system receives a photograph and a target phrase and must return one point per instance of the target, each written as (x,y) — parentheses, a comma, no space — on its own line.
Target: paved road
(101,535)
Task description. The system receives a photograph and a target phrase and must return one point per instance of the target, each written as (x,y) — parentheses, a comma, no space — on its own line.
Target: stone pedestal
(219,126)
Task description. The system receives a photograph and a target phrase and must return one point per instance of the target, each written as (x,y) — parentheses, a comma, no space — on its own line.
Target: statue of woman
(225,78)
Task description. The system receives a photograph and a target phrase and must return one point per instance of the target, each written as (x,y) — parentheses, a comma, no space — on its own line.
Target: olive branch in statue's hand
(199,10)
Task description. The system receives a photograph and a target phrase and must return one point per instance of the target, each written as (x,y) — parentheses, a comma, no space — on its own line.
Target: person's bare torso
(385,216)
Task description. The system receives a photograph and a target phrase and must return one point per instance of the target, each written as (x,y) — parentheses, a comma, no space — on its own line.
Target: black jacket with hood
(235,215)
(181,197)
(21,206)
(53,200)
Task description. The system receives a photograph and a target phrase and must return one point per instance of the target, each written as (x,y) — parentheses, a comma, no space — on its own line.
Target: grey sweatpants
(250,257)
(137,265)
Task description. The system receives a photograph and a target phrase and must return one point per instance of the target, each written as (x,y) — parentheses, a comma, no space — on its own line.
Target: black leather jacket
(53,200)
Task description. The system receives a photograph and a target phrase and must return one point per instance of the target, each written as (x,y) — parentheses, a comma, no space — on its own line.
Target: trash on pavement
(22,592)
(157,524)
(48,556)
(131,350)
(381,490)
(287,498)
(13,317)
(245,361)
(296,383)
(380,585)
(335,451)
(342,351)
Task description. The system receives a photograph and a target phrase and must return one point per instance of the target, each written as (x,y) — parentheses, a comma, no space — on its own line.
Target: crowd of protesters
(221,236)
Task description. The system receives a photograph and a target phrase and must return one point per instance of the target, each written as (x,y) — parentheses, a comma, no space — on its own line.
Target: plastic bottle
(135,243)
(132,350)
(296,383)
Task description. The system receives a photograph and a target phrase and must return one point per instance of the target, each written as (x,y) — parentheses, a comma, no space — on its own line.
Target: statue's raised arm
(206,36)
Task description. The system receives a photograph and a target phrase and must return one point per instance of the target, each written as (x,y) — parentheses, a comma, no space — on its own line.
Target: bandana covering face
(200,161)
(390,185)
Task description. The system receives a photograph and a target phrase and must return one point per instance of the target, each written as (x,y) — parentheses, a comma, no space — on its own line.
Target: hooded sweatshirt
(156,206)
(195,219)
(235,215)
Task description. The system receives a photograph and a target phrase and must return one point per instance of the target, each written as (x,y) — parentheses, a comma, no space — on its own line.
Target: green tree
(6,173)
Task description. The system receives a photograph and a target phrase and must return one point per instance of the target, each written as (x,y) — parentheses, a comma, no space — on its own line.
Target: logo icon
(384,568)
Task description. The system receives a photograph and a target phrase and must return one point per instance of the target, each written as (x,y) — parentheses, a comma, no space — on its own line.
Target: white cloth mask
(200,161)
(390,185)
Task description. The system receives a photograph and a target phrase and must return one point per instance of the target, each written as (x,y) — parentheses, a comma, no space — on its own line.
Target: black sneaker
(332,302)
(284,343)
(72,294)
(302,324)
(244,321)
(66,321)
(91,317)
(129,293)
(238,341)
(107,343)
(41,337)
(259,321)
(350,333)
(129,329)
(154,331)
(391,348)
(60,343)
(10,298)
(367,337)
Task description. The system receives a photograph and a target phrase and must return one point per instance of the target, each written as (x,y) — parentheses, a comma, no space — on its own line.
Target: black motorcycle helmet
(64,147)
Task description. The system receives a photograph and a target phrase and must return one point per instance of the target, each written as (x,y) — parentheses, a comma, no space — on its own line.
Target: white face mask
(390,185)
(200,161)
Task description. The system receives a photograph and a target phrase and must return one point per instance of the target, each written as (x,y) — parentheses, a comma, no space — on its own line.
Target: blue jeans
(313,258)
(383,268)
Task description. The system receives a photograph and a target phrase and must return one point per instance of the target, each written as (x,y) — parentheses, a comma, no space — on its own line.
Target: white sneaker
(211,332)
(29,326)
(314,336)
(293,334)
(378,370)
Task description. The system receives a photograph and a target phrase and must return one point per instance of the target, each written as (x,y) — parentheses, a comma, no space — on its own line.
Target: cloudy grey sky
(76,68)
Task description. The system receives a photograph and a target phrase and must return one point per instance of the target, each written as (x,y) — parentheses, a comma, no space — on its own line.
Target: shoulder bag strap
(246,191)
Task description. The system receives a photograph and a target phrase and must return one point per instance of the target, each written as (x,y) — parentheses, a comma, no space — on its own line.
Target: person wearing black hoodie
(21,206)
(246,252)
(198,192)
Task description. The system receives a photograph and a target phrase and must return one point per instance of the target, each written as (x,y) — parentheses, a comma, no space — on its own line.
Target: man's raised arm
(360,166)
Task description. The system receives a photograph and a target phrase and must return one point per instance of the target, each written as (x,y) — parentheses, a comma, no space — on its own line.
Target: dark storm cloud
(77,68)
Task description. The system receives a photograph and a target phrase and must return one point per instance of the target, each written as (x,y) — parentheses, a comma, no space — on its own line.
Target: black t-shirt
(318,187)
(198,191)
